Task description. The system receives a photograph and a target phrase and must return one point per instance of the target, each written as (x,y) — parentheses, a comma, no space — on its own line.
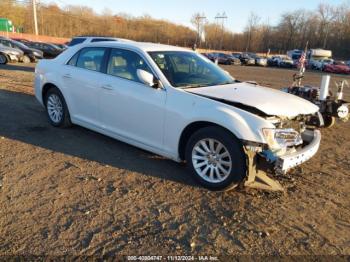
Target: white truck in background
(318,58)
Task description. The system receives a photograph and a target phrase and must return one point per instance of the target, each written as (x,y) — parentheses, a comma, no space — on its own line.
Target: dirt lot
(76,192)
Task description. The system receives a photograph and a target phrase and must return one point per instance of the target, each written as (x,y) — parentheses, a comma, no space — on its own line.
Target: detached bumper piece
(257,166)
(286,162)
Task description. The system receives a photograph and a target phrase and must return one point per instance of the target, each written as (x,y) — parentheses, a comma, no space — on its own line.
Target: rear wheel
(56,109)
(3,59)
(216,158)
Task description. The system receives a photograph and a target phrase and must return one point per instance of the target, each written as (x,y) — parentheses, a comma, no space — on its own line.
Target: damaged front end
(290,144)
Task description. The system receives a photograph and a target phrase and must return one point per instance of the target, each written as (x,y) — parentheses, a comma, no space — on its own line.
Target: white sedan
(176,103)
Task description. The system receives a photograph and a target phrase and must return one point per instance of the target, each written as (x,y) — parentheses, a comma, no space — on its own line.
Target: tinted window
(91,58)
(76,41)
(124,64)
(102,40)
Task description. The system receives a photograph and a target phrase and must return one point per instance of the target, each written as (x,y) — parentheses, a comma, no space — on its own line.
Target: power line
(223,17)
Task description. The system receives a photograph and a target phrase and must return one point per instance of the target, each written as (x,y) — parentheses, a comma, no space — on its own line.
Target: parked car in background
(348,63)
(62,46)
(222,58)
(172,102)
(93,39)
(49,50)
(281,61)
(246,59)
(319,64)
(286,62)
(30,54)
(337,67)
(259,60)
(235,60)
(9,54)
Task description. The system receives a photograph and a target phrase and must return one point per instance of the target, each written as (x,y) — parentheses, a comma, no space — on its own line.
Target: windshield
(186,69)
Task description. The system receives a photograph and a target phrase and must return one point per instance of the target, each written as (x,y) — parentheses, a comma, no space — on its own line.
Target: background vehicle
(319,64)
(49,50)
(337,67)
(30,54)
(314,57)
(9,54)
(172,102)
(6,25)
(222,58)
(93,39)
(259,61)
(62,46)
(246,59)
(281,61)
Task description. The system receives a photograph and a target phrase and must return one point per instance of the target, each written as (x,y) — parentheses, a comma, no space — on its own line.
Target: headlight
(281,138)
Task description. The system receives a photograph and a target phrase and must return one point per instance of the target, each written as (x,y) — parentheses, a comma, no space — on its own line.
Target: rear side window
(76,41)
(91,58)
(102,40)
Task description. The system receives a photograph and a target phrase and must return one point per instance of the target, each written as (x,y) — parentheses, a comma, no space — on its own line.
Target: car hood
(269,101)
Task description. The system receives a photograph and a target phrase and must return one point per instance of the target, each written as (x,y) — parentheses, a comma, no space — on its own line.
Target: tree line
(326,27)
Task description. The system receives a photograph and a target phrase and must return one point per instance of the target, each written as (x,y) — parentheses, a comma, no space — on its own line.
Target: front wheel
(216,158)
(56,109)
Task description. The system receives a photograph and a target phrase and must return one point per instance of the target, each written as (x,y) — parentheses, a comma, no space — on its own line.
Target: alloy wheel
(211,160)
(55,108)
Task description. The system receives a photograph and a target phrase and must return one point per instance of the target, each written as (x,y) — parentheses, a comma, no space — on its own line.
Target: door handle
(67,76)
(107,87)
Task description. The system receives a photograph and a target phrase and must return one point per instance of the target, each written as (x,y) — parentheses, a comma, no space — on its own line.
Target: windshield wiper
(192,86)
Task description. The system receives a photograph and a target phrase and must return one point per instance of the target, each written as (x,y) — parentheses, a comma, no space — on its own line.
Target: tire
(56,109)
(26,59)
(208,169)
(3,59)
(329,121)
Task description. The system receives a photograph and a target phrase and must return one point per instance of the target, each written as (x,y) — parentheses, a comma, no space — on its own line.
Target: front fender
(192,108)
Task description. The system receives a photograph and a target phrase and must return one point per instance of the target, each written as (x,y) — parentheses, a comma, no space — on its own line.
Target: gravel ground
(75,192)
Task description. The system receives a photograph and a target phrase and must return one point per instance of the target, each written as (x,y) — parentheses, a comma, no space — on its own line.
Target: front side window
(125,63)
(91,58)
(186,69)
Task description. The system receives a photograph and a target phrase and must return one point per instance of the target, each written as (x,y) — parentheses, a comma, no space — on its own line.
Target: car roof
(146,47)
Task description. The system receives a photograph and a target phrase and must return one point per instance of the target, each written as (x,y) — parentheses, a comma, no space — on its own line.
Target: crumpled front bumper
(312,139)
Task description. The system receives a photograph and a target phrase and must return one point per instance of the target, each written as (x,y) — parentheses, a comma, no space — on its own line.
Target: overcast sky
(180,11)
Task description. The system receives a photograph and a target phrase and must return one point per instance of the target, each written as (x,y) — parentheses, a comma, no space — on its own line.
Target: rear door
(82,80)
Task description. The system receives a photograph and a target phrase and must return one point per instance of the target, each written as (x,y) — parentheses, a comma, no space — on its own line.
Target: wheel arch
(191,129)
(7,57)
(46,87)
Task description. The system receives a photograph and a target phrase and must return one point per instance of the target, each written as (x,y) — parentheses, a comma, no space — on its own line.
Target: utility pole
(35,17)
(199,19)
(223,18)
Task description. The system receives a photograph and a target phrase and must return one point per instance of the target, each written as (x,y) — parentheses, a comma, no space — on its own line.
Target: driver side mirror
(147,78)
